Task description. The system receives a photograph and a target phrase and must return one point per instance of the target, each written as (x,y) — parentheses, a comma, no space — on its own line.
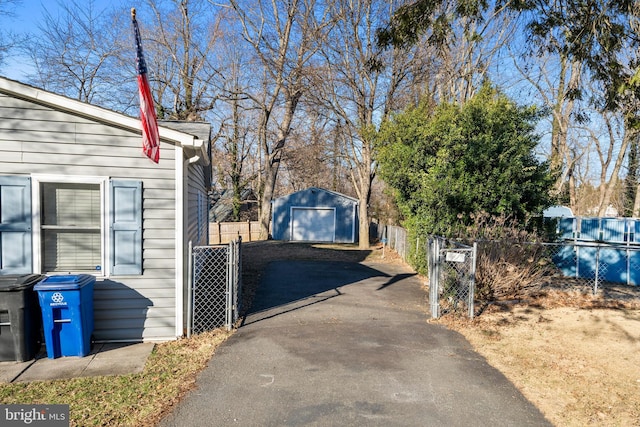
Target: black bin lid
(19,282)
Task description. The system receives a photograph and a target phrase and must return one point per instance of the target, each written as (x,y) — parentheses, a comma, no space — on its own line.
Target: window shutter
(15,225)
(126,227)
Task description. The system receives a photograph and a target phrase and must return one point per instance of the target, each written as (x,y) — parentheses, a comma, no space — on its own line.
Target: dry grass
(576,356)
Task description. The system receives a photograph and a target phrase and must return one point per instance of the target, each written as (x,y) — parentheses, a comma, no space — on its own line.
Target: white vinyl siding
(37,140)
(197,216)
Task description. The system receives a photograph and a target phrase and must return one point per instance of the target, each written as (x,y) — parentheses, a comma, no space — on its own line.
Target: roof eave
(21,90)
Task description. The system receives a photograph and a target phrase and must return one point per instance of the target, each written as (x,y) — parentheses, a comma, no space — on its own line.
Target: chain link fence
(593,265)
(395,238)
(573,264)
(215,287)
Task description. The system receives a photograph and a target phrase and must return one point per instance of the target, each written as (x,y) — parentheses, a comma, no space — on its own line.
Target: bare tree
(284,37)
(462,62)
(311,159)
(609,158)
(557,81)
(75,52)
(8,40)
(362,85)
(234,140)
(358,84)
(183,37)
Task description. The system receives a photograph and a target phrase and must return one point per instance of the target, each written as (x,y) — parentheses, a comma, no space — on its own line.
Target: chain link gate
(452,269)
(214,287)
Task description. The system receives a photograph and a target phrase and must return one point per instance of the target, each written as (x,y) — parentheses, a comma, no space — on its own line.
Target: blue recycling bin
(66,302)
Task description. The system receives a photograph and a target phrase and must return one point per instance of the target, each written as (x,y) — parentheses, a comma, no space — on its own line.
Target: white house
(78,196)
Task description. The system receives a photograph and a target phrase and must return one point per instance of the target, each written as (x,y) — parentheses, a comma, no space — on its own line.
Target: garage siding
(308,203)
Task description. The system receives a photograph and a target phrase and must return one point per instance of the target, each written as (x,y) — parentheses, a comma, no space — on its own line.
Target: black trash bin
(20,319)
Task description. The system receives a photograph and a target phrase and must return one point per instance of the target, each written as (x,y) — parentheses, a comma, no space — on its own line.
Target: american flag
(150,136)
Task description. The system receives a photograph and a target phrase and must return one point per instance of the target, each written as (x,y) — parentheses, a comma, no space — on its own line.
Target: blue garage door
(313,224)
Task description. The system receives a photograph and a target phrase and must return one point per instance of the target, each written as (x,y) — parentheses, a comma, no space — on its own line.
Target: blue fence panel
(634,267)
(586,261)
(636,230)
(566,228)
(590,229)
(613,230)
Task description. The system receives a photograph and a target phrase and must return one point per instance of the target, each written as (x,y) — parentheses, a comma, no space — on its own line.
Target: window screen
(71,231)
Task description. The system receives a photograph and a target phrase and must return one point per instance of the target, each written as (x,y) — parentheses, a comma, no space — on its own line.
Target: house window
(71,227)
(70,224)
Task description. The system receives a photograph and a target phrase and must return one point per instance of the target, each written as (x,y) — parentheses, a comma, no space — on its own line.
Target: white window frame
(36,217)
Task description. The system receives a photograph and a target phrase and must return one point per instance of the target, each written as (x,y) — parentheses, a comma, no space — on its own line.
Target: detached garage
(315,215)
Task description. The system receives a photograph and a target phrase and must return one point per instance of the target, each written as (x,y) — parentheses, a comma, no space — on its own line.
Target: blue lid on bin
(65,282)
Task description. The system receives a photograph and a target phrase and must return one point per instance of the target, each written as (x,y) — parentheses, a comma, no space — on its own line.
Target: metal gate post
(433,278)
(595,285)
(238,285)
(472,279)
(229,287)
(190,282)
(234,282)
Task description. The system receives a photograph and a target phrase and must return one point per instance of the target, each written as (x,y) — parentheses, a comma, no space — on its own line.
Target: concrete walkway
(104,359)
(345,344)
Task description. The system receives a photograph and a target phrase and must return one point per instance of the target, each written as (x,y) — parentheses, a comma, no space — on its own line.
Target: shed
(78,196)
(315,215)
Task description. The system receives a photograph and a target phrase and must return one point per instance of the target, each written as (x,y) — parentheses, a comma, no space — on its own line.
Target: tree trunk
(573,194)
(272,162)
(607,189)
(631,181)
(270,179)
(363,224)
(636,204)
(362,176)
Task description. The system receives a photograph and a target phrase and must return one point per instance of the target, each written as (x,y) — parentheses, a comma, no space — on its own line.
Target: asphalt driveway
(347,344)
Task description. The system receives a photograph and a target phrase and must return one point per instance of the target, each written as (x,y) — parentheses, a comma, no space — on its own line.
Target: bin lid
(19,282)
(65,282)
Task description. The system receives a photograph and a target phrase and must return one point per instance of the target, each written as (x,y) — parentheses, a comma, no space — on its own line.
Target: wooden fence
(224,232)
